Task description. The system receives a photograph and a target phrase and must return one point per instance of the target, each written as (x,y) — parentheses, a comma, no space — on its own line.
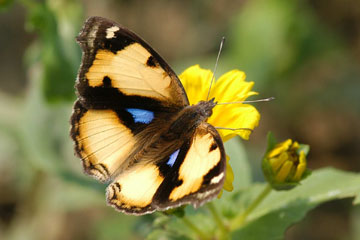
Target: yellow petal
(231,87)
(279,148)
(231,116)
(276,163)
(196,82)
(302,157)
(284,171)
(295,146)
(229,176)
(301,167)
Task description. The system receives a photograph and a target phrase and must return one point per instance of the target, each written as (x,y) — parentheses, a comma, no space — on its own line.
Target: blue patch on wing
(141,115)
(172,158)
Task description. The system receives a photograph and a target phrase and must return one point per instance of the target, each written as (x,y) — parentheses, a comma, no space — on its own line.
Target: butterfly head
(205,107)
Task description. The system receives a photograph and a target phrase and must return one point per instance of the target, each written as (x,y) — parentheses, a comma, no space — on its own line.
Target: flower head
(284,164)
(230,87)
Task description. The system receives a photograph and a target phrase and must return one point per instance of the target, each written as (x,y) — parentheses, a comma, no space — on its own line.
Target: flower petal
(284,171)
(279,148)
(300,169)
(196,82)
(229,176)
(231,87)
(235,116)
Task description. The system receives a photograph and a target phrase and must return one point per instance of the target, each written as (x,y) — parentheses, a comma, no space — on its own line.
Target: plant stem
(193,227)
(217,219)
(240,219)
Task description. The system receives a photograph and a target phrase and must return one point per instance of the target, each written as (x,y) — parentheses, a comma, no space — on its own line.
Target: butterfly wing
(125,89)
(193,173)
(116,58)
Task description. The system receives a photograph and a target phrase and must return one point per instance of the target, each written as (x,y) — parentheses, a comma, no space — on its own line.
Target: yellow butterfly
(133,127)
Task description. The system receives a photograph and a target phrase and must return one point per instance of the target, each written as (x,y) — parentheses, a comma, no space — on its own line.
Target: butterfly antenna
(216,63)
(249,101)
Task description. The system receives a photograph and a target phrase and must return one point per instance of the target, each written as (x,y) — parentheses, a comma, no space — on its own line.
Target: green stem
(193,227)
(218,220)
(241,219)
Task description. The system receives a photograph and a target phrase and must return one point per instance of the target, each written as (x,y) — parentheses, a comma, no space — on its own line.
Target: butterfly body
(133,126)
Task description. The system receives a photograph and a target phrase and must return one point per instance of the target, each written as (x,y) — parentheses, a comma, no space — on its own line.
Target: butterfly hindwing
(197,174)
(102,140)
(193,173)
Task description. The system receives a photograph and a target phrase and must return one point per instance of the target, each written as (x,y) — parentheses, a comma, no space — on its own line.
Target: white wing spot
(110,32)
(203,196)
(217,179)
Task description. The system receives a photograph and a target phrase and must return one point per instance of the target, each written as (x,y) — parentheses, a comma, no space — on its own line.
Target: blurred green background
(304,53)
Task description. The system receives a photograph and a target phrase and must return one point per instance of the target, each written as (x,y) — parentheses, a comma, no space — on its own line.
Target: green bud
(284,164)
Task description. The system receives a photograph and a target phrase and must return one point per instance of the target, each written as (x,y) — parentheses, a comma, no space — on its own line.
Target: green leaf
(282,209)
(114,226)
(59,56)
(239,163)
(160,234)
(182,228)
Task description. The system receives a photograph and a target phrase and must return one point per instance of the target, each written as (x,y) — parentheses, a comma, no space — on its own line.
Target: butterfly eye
(141,115)
(172,158)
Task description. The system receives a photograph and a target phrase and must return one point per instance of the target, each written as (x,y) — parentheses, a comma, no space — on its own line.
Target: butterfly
(133,126)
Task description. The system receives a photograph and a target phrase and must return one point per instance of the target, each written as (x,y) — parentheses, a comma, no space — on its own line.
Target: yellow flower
(284,165)
(230,87)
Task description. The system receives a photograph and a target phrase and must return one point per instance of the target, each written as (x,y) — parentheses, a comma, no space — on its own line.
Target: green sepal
(305,148)
(271,142)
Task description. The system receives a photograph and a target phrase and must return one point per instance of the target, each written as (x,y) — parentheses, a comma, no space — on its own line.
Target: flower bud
(284,164)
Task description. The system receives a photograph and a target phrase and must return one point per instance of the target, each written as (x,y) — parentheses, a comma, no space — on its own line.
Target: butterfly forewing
(115,58)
